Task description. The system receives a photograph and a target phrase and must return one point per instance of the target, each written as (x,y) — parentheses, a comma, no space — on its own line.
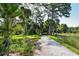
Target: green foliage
(73,29)
(31,21)
(10,10)
(71,41)
(17,29)
(22,45)
(71,48)
(49,25)
(62,28)
(23,37)
(2,48)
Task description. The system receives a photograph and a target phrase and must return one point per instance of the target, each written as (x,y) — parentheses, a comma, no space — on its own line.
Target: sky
(73,20)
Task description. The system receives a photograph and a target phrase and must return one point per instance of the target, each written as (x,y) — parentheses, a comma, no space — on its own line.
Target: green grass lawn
(69,34)
(70,41)
(23,37)
(22,44)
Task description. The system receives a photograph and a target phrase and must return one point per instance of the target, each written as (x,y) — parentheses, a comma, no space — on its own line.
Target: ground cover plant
(70,41)
(21,46)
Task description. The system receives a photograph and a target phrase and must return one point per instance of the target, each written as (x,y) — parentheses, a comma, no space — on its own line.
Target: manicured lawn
(69,41)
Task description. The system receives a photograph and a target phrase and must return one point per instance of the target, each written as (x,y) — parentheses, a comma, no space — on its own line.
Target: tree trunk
(53,30)
(6,35)
(25,29)
(49,30)
(53,19)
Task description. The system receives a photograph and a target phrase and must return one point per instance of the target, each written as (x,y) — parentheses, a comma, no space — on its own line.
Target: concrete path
(49,47)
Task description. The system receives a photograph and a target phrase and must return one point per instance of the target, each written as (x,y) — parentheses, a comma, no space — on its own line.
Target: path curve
(49,47)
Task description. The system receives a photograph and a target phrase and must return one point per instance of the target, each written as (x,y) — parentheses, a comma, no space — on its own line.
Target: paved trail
(50,47)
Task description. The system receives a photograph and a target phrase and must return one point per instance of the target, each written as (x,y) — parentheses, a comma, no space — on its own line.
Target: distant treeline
(73,29)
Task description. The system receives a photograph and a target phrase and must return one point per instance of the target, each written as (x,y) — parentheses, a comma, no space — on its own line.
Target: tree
(73,29)
(8,12)
(38,15)
(63,28)
(56,25)
(17,29)
(49,25)
(25,16)
(56,10)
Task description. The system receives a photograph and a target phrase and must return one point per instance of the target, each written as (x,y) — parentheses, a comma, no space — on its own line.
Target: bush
(24,45)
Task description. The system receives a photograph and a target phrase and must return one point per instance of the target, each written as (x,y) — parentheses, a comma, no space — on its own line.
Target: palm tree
(8,12)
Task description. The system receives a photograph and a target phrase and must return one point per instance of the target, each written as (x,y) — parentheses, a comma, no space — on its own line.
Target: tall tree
(25,16)
(49,23)
(8,12)
(57,10)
